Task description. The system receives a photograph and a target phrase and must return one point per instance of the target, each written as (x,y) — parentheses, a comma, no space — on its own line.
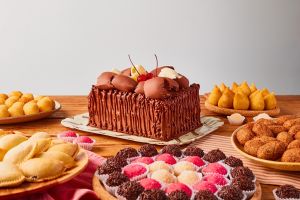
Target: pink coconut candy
(135,171)
(167,158)
(216,179)
(205,185)
(215,168)
(196,160)
(179,187)
(149,184)
(145,160)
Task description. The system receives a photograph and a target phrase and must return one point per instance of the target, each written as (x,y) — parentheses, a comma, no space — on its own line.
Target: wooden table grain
(73,105)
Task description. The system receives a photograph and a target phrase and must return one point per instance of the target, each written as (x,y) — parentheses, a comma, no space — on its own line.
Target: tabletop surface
(107,146)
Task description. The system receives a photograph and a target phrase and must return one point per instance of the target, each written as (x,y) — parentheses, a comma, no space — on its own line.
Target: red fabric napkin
(79,188)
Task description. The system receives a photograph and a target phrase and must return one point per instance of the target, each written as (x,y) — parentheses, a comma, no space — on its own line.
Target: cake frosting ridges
(130,112)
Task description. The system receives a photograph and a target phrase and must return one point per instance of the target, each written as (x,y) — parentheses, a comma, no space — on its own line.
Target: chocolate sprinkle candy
(214,156)
(148,150)
(287,191)
(128,152)
(154,194)
(193,151)
(230,193)
(172,149)
(130,190)
(107,169)
(243,183)
(116,179)
(205,195)
(242,171)
(233,162)
(117,161)
(178,195)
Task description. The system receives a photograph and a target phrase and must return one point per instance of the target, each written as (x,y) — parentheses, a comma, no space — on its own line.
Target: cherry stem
(133,65)
(156,64)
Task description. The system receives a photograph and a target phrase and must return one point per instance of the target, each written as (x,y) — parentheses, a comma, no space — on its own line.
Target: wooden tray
(28,118)
(285,166)
(247,113)
(28,188)
(102,193)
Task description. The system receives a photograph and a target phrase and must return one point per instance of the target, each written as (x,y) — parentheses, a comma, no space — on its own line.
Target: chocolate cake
(159,105)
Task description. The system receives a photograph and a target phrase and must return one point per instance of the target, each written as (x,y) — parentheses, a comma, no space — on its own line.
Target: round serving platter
(102,193)
(28,118)
(28,188)
(285,166)
(247,113)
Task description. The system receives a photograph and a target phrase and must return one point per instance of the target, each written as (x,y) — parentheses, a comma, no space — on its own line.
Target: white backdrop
(61,46)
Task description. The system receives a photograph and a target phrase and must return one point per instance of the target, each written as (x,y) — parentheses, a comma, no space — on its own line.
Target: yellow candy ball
(45,104)
(31,108)
(11,100)
(16,109)
(15,93)
(4,111)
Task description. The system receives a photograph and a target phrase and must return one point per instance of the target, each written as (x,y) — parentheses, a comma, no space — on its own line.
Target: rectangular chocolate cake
(134,113)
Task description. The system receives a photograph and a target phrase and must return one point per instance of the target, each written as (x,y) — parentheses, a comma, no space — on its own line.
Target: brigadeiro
(154,194)
(214,156)
(244,183)
(242,172)
(233,161)
(108,169)
(117,161)
(231,193)
(130,190)
(148,150)
(172,149)
(116,179)
(205,195)
(287,192)
(128,152)
(178,195)
(193,151)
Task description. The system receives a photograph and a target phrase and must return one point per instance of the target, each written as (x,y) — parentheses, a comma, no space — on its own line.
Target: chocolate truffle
(148,150)
(233,161)
(287,191)
(116,178)
(157,88)
(193,151)
(123,83)
(214,156)
(130,190)
(107,169)
(178,195)
(154,194)
(104,80)
(128,152)
(117,161)
(243,183)
(230,193)
(205,195)
(172,149)
(242,172)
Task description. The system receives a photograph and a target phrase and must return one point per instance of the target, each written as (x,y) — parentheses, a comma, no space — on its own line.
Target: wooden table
(73,105)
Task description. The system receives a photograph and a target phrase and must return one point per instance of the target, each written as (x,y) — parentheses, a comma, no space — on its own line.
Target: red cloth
(79,188)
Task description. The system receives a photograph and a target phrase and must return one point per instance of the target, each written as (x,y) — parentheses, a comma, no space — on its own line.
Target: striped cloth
(263,174)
